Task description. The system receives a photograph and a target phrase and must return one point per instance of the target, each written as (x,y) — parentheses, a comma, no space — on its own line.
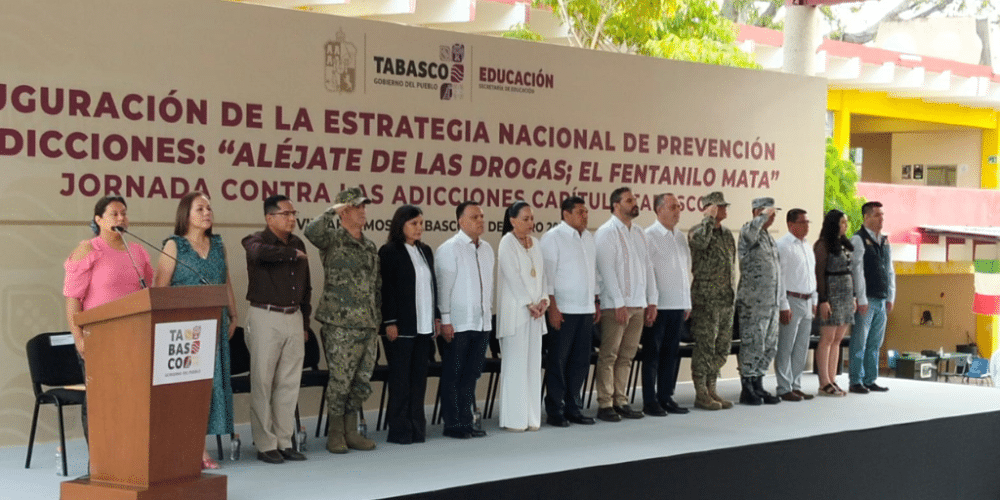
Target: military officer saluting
(757,300)
(713,254)
(350,311)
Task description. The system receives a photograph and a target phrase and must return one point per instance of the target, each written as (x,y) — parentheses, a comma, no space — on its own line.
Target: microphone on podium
(142,281)
(121,230)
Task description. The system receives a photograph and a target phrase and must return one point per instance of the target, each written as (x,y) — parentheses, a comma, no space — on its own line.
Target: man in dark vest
(875,289)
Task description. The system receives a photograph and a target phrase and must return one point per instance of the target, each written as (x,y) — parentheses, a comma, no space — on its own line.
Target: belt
(269,307)
(837,273)
(797,295)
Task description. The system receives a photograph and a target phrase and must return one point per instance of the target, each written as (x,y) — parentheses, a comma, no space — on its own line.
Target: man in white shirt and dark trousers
(797,308)
(463,266)
(571,271)
(628,301)
(671,259)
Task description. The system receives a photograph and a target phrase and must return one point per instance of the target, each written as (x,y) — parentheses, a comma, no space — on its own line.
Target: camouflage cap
(350,197)
(714,198)
(763,202)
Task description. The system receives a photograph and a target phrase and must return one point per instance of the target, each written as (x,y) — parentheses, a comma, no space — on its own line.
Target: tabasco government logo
(443,75)
(341,64)
(184,351)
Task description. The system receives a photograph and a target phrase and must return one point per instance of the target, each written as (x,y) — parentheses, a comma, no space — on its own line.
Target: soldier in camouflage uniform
(757,300)
(350,311)
(713,254)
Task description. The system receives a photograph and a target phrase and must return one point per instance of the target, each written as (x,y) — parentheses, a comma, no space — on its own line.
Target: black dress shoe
(608,415)
(876,388)
(290,454)
(477,433)
(457,433)
(270,456)
(627,412)
(399,439)
(578,418)
(556,421)
(858,389)
(654,410)
(672,407)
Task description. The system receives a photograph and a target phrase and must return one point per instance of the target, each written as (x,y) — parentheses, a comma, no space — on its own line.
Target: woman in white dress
(520,320)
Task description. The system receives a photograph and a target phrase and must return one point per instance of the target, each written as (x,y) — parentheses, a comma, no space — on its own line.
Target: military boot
(710,385)
(702,399)
(335,440)
(758,389)
(355,441)
(747,395)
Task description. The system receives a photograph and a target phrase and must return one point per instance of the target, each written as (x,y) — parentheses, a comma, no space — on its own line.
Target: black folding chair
(312,376)
(53,363)
(239,377)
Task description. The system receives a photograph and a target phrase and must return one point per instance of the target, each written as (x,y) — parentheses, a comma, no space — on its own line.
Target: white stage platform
(440,463)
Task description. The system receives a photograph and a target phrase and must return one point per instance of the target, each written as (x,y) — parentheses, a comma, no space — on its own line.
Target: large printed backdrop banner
(151,99)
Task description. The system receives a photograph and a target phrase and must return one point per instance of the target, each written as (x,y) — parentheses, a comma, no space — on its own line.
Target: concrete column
(802,38)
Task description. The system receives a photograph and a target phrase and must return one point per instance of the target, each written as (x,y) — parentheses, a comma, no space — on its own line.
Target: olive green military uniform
(350,311)
(713,253)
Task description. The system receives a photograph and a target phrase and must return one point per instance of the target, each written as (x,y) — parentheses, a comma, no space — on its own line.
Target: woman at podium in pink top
(194,256)
(103,269)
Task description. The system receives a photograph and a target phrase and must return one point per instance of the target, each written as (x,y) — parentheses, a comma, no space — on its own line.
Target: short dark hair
(100,207)
(569,204)
(403,214)
(659,200)
(793,215)
(271,203)
(868,207)
(616,196)
(460,209)
(184,213)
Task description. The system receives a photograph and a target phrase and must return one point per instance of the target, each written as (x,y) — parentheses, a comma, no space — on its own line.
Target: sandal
(840,392)
(208,463)
(828,390)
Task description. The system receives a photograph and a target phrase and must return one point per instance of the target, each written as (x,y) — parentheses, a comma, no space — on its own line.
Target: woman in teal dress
(194,244)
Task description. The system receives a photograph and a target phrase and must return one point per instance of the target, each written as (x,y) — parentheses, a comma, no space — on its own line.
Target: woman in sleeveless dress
(203,262)
(837,304)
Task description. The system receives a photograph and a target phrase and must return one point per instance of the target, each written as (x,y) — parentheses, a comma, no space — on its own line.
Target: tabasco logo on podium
(184,351)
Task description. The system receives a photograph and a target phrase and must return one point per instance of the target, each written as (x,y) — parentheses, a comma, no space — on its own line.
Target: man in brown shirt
(279,293)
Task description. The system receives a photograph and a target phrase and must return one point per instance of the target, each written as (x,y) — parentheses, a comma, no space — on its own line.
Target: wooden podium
(146,440)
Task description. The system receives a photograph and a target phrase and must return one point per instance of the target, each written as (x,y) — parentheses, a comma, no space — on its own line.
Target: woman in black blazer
(410,317)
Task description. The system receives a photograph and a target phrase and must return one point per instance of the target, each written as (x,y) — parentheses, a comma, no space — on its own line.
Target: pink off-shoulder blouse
(105,274)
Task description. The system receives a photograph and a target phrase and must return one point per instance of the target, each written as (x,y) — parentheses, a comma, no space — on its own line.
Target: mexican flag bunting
(987,281)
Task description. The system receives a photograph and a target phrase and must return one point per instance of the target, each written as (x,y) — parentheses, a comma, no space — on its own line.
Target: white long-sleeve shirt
(464,275)
(623,266)
(671,260)
(570,268)
(798,268)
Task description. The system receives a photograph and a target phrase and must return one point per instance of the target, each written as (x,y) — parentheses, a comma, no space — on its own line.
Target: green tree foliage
(522,32)
(689,30)
(841,190)
(697,32)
